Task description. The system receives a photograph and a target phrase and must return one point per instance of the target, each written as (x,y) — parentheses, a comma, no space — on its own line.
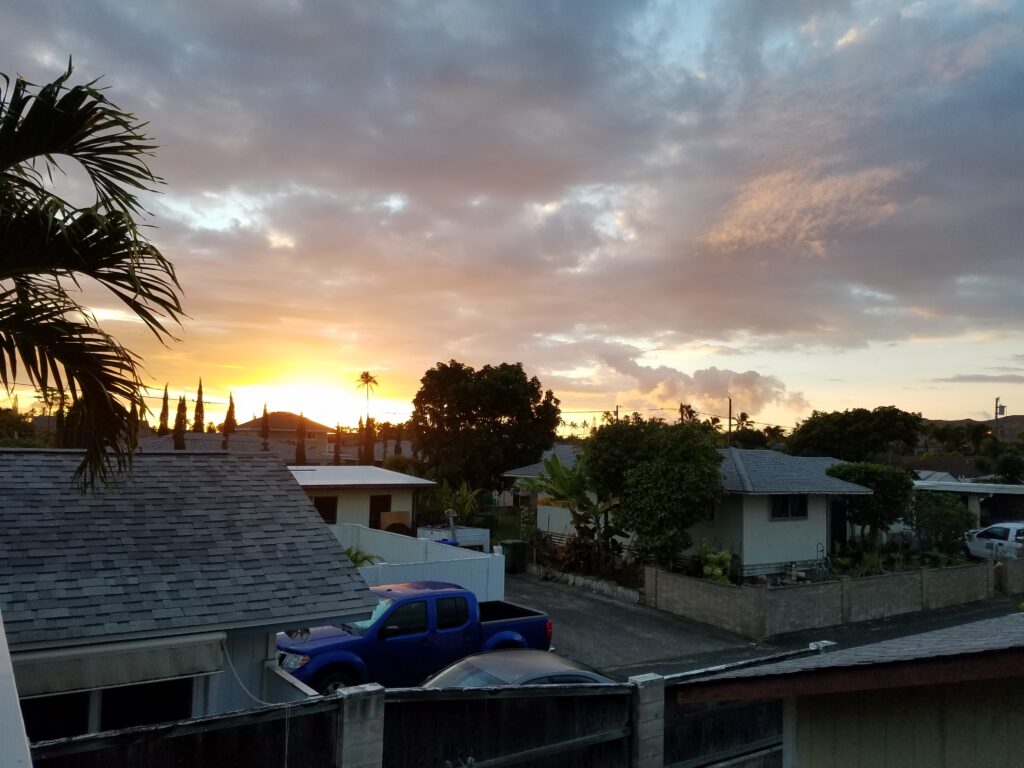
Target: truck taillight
(549,627)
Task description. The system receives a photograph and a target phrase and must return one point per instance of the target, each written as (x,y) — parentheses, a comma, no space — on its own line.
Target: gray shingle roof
(768,472)
(999,634)
(189,542)
(566,453)
(748,471)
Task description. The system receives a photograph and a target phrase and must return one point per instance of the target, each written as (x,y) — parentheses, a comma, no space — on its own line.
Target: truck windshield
(360,627)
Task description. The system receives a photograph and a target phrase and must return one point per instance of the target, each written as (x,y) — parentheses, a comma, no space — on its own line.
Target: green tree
(367,441)
(941,520)
(617,446)
(1010,466)
(265,428)
(16,430)
(857,435)
(398,438)
(472,425)
(747,437)
(300,441)
(180,424)
(336,459)
(165,415)
(367,381)
(48,247)
(230,423)
(199,415)
(676,483)
(890,500)
(570,488)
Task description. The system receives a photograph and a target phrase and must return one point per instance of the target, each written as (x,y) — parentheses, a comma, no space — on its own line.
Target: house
(283,427)
(159,598)
(950,697)
(988,502)
(566,454)
(370,496)
(776,512)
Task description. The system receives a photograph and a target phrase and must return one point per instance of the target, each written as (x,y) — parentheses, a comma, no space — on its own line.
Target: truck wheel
(333,680)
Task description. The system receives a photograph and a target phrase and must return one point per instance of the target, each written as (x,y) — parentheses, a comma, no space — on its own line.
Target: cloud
(799,209)
(983,378)
(531,182)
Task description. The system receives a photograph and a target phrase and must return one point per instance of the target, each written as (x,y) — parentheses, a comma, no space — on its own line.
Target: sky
(801,205)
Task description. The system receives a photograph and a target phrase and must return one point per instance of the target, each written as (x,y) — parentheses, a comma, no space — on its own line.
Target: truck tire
(333,679)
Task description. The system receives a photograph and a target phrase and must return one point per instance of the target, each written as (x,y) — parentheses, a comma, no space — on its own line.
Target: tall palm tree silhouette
(368,382)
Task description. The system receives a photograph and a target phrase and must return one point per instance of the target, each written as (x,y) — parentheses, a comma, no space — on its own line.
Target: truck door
(456,636)
(403,646)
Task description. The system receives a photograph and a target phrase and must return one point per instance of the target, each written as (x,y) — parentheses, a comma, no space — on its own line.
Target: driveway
(620,639)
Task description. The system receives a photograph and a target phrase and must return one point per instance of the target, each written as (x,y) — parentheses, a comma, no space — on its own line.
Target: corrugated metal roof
(188,542)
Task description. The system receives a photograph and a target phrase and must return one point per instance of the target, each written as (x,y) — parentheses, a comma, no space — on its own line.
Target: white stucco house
(776,511)
(369,496)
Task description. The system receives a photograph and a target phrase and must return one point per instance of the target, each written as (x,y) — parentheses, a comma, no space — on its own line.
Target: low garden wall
(760,611)
(1010,576)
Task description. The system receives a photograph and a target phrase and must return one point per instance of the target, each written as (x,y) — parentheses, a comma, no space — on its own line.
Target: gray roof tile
(189,541)
(997,634)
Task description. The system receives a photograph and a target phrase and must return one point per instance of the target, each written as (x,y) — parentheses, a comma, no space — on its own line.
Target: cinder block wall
(942,587)
(758,612)
(738,609)
(789,609)
(876,597)
(1011,577)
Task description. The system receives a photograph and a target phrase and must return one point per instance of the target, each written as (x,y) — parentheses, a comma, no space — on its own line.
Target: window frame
(796,507)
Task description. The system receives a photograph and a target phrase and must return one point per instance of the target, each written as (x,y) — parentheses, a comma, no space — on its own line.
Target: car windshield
(360,627)
(465,674)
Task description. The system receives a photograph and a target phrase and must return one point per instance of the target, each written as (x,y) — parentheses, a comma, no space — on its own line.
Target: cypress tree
(180,425)
(300,441)
(230,425)
(165,413)
(398,439)
(265,429)
(199,420)
(369,434)
(361,454)
(337,445)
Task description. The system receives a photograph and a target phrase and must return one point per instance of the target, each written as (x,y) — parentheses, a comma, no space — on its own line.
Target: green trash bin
(515,555)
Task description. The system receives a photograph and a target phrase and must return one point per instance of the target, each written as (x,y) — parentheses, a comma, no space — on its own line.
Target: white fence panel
(406,559)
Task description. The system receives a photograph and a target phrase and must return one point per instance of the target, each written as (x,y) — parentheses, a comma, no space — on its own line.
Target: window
(327,506)
(1019,536)
(408,619)
(451,612)
(379,503)
(792,507)
(997,532)
(109,709)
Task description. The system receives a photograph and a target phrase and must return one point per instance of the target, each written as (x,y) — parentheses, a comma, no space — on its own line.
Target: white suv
(999,540)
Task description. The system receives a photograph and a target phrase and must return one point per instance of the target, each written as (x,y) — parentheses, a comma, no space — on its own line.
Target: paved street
(622,640)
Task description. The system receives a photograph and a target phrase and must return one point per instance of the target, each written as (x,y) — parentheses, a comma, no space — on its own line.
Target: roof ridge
(741,470)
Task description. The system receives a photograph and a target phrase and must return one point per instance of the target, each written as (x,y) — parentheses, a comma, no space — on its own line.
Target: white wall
(554,520)
(222,692)
(724,531)
(782,541)
(15,752)
(354,505)
(408,559)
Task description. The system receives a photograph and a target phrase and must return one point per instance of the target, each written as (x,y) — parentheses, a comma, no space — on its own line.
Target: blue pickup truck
(416,629)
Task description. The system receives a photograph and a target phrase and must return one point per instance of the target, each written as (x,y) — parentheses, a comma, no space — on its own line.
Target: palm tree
(48,246)
(368,382)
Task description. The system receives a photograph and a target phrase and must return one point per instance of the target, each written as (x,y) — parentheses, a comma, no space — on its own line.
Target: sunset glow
(799,206)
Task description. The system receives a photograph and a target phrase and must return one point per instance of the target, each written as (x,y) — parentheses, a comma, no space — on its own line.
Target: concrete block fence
(759,611)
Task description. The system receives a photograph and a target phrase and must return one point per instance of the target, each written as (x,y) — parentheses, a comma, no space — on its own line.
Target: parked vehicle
(416,629)
(999,540)
(516,667)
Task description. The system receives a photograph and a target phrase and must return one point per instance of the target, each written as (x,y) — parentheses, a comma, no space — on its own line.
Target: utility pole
(729,439)
(616,412)
(999,411)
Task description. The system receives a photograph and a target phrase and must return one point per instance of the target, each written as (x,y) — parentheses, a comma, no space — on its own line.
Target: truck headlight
(293,661)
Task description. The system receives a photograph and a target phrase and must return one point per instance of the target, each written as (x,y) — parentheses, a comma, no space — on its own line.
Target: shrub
(940,521)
